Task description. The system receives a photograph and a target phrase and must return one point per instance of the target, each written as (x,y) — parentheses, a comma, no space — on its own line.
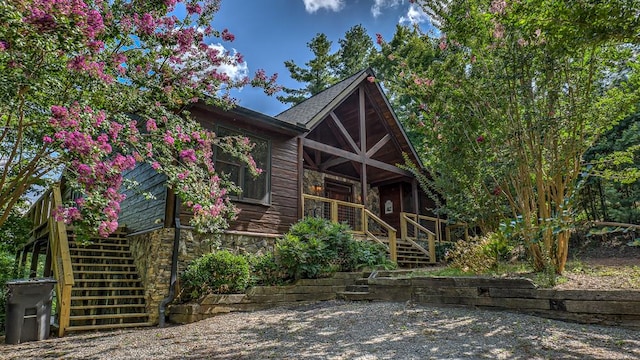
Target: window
(254,189)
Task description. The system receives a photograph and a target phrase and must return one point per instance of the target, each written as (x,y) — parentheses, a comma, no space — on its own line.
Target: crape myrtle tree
(515,94)
(92,88)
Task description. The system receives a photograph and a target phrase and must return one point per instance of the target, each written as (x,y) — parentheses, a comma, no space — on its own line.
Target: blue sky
(269,32)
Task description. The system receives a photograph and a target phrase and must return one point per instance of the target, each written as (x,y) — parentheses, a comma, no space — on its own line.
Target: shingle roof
(308,110)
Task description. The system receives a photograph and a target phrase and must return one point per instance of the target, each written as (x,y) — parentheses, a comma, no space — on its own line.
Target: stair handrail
(393,245)
(61,262)
(431,236)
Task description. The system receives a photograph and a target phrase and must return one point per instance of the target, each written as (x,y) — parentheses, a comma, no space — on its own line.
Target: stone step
(357,288)
(354,296)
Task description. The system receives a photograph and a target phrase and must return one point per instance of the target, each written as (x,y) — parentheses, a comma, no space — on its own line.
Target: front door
(391,201)
(344,192)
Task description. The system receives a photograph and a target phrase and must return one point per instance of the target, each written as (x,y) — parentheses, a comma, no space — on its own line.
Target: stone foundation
(152,254)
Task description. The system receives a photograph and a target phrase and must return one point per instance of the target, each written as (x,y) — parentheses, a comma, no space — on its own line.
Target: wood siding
(139,213)
(282,212)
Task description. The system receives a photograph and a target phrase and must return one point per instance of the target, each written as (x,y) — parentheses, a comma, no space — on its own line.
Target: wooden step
(91,288)
(81,249)
(110,280)
(354,296)
(105,272)
(106,297)
(92,307)
(109,326)
(109,316)
(94,257)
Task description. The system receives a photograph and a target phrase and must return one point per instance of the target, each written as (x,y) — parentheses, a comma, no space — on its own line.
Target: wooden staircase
(108,293)
(408,255)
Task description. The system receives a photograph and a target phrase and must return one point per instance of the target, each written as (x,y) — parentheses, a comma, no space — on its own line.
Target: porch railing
(412,232)
(54,233)
(361,220)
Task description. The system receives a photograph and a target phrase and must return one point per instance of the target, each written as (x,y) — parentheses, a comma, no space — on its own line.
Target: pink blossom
(47,139)
(442,45)
(169,139)
(371,79)
(188,155)
(498,6)
(3,45)
(151,125)
(155,165)
(227,36)
(194,8)
(379,39)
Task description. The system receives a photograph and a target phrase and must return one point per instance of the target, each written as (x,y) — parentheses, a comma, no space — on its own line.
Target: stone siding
(152,254)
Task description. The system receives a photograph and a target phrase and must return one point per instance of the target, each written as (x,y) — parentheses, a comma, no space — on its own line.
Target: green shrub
(7,262)
(220,272)
(316,247)
(265,270)
(470,256)
(370,255)
(498,246)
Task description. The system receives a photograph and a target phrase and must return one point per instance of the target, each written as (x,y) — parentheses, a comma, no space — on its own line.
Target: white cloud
(378,5)
(415,15)
(234,71)
(312,6)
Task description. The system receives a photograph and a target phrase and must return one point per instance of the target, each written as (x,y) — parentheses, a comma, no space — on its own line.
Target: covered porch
(348,168)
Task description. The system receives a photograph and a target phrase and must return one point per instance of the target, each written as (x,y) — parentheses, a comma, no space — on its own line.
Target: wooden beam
(415,194)
(345,133)
(333,162)
(375,148)
(315,145)
(307,158)
(331,150)
(363,143)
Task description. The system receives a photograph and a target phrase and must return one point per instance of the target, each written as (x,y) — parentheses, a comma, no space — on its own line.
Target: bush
(316,247)
(7,262)
(470,256)
(220,272)
(498,246)
(265,270)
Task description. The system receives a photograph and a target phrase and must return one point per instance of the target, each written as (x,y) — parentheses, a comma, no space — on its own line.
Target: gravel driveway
(344,330)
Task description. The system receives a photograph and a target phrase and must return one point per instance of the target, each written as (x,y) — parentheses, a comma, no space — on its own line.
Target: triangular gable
(321,111)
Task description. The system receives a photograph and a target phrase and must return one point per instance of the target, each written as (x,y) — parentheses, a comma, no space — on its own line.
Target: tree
(518,93)
(318,75)
(93,88)
(356,53)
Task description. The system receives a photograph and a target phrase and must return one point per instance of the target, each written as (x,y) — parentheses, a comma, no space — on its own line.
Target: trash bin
(28,310)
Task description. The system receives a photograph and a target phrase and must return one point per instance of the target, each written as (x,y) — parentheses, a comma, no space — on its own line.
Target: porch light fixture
(316,189)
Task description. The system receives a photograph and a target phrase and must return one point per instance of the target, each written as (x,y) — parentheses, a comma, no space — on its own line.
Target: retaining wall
(610,307)
(264,297)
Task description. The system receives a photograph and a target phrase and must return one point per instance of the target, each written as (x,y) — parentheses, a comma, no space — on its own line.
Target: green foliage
(7,263)
(356,52)
(316,247)
(14,231)
(265,270)
(471,256)
(498,247)
(509,99)
(221,272)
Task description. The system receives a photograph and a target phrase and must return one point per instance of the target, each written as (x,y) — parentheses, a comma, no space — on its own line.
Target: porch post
(416,199)
(300,177)
(363,146)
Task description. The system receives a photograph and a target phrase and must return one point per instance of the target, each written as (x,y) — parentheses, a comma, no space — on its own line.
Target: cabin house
(334,156)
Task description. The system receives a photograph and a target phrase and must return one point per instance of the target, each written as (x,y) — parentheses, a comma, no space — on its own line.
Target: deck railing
(361,220)
(47,229)
(412,232)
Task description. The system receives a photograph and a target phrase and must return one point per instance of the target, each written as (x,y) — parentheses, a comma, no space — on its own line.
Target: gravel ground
(344,330)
